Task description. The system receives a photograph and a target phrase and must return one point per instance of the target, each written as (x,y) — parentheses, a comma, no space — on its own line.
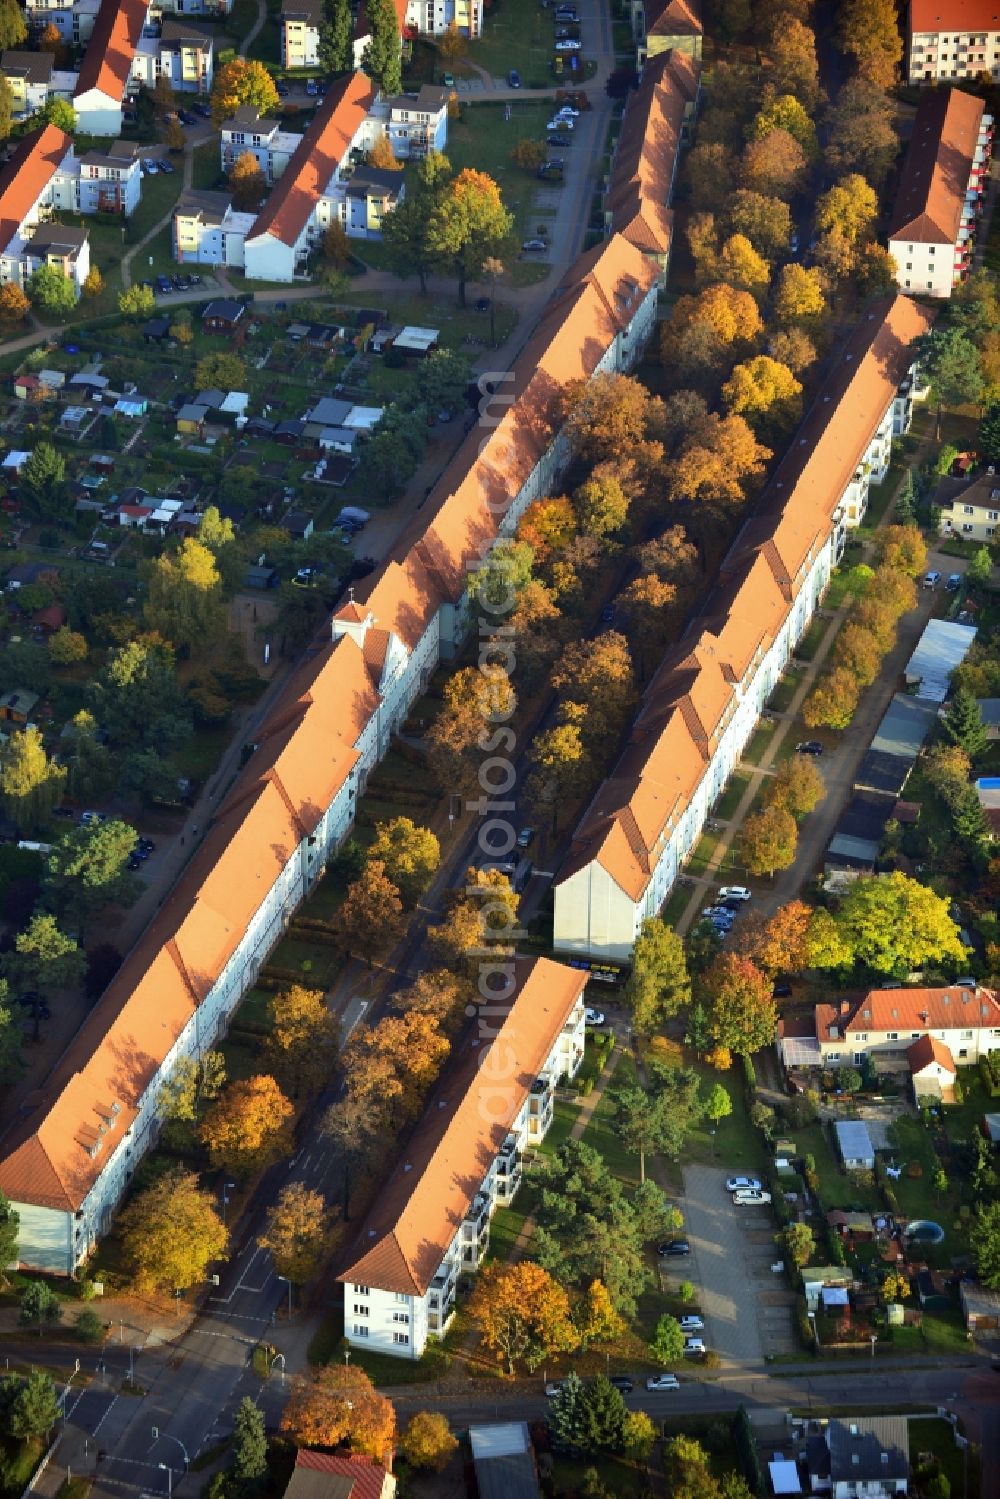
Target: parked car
(513,79)
(525,837)
(622,1382)
(201,109)
(568,44)
(560,122)
(931,579)
(482,304)
(809,747)
(448,79)
(675,1248)
(594,1017)
(567,112)
(312,89)
(557,138)
(553,1387)
(608,614)
(735,892)
(749,1183)
(954,582)
(186,118)
(695,1345)
(534,247)
(552,171)
(663,1382)
(165,166)
(745,1198)
(87,819)
(781,990)
(691,1323)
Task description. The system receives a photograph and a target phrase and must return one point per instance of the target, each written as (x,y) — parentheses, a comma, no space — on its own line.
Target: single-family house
(265,140)
(869,1456)
(932,1069)
(703,703)
(311,192)
(854,1144)
(16,707)
(973,513)
(29,77)
(431,1220)
(430,18)
(222,315)
(106,69)
(181,53)
(980,1307)
(371,193)
(883,1023)
(298,524)
(667,26)
(339,1475)
(299,26)
(951,40)
(207,230)
(932,232)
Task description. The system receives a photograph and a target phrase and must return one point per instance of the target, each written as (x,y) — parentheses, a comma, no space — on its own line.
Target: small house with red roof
(339,1475)
(932,1069)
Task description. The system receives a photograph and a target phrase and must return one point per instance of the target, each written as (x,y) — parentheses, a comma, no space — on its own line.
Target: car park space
(746,1306)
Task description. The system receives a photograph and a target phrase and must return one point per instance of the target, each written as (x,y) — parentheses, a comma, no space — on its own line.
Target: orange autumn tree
(249,1128)
(522,1314)
(779,943)
(339,1404)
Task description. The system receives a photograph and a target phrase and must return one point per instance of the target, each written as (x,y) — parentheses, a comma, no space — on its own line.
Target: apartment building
(299,28)
(884,1024)
(99,95)
(74,19)
(207,230)
(40,175)
(68,1162)
(431,1222)
(939,201)
(415,123)
(263,137)
(110,180)
(310,195)
(33,81)
(952,39)
(432,17)
(973,514)
(703,703)
(180,52)
(640,189)
(667,26)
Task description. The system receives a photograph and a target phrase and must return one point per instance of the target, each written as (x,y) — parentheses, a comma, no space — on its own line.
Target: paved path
(717,1233)
(161,224)
(255,29)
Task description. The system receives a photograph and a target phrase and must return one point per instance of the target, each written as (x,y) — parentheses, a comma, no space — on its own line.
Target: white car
(594,1017)
(695,1345)
(566,112)
(750,1183)
(931,580)
(734,892)
(663,1382)
(746,1198)
(569,45)
(691,1324)
(553,1387)
(560,122)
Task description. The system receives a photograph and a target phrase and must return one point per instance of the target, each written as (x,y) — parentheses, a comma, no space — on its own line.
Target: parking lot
(746,1306)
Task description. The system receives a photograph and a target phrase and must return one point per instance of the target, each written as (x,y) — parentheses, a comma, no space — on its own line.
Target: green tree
(30,783)
(980,569)
(136,699)
(42,482)
(667,1342)
(718,1104)
(643,1123)
(406,231)
(44,959)
(6,113)
(60,112)
(659,984)
(410,855)
(13,30)
(381,59)
(223,370)
(335,36)
(984,1237)
(39,1306)
(185,596)
(87,870)
(88,1326)
(893,924)
(962,723)
(35,1408)
(10,1222)
(951,363)
(565,1415)
(249,1442)
(603,1414)
(444,376)
(601,503)
(469,223)
(137,301)
(798,1243)
(989,434)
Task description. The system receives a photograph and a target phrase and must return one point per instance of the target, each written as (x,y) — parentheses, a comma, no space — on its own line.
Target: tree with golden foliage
(441,995)
(777,944)
(242,81)
(598,675)
(529,154)
(761,389)
(249,1127)
(428,1441)
(370,919)
(793,348)
(93,282)
(409,854)
(602,503)
(607,417)
(51,41)
(792,48)
(774,164)
(247,181)
(797,785)
(523,1315)
(596,1318)
(869,32)
(766,222)
(740,265)
(298,1232)
(769,840)
(396,1062)
(903,549)
(383,156)
(14,304)
(170,1234)
(833,701)
(474,698)
(784,112)
(184,603)
(741,1012)
(849,207)
(703,242)
(338,1404)
(547,526)
(799,298)
(732,315)
(720,455)
(451,43)
(858,650)
(302,1047)
(561,770)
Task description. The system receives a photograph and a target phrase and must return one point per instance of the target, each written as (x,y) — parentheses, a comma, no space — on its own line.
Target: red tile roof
(107,62)
(33,162)
(315,159)
(421,1207)
(645,164)
(927,1051)
(368,1477)
(953,15)
(673,18)
(932,185)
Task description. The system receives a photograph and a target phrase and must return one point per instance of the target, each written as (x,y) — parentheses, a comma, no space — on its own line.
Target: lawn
(620,1477)
(602,1133)
(811,640)
(937,1438)
(837,1188)
(159,194)
(759,744)
(736,1143)
(781,698)
(940,1332)
(484,139)
(731,797)
(517,34)
(205,169)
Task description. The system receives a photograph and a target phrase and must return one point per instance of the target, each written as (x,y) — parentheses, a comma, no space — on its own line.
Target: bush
(914,1170)
(959,1092)
(804,1327)
(88,1326)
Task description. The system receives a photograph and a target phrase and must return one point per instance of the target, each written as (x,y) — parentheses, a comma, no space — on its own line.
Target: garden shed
(854,1144)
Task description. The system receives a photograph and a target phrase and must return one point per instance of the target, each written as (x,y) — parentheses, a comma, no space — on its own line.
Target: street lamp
(812,1323)
(874,1338)
(227,1187)
(347,1355)
(170,1478)
(157,1434)
(289,1285)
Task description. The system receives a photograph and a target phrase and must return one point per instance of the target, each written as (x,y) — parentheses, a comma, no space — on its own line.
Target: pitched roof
(107,62)
(693,690)
(363,1476)
(935,175)
(315,159)
(33,162)
(33,67)
(423,1204)
(645,163)
(924,1009)
(673,18)
(953,15)
(868,1449)
(926,1051)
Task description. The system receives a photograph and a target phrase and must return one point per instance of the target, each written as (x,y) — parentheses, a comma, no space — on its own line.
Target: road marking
(106,1415)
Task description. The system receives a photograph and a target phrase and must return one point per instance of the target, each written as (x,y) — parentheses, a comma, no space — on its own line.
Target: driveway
(747,1308)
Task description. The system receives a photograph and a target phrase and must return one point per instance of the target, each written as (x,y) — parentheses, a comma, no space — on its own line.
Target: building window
(360,1331)
(405,1300)
(402,1317)
(360,1310)
(402,1338)
(362,1290)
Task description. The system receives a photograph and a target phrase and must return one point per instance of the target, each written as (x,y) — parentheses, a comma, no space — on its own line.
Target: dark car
(781,991)
(809,747)
(513,79)
(201,109)
(66,812)
(674,1248)
(482,304)
(621,1382)
(186,118)
(559,140)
